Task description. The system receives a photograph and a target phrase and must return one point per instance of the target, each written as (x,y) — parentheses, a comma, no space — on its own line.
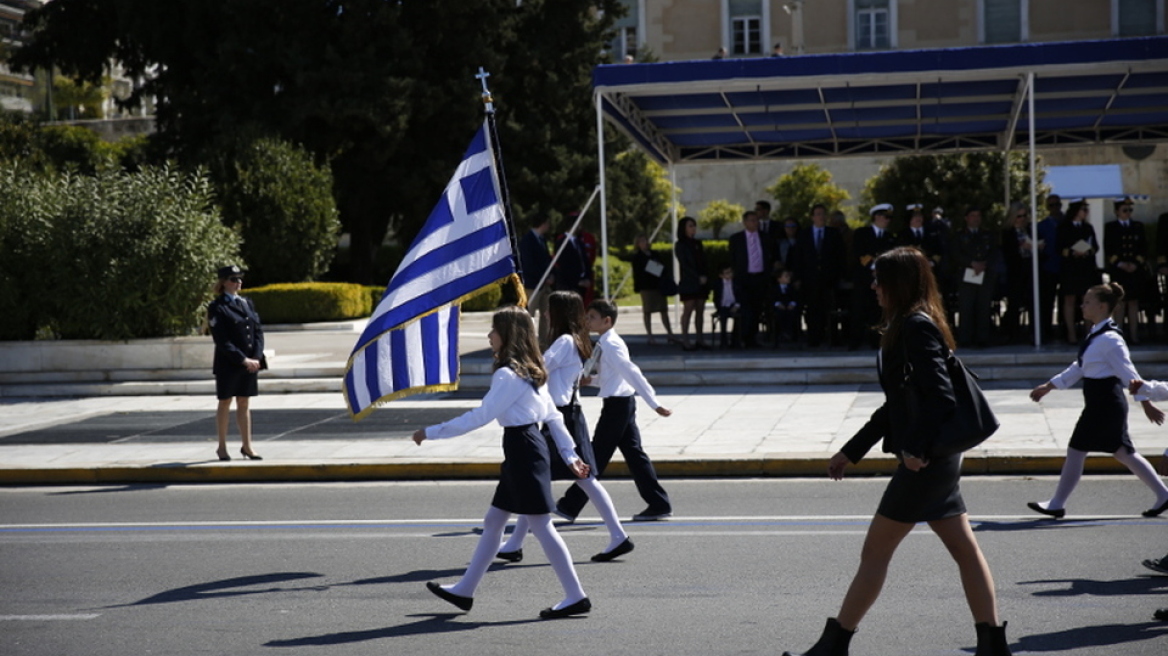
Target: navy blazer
(534,256)
(236,329)
(920,339)
(823,268)
(740,255)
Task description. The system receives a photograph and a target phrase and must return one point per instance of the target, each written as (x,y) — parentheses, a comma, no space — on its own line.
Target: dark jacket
(535,258)
(866,247)
(818,269)
(921,341)
(740,255)
(572,267)
(236,329)
(691,264)
(642,279)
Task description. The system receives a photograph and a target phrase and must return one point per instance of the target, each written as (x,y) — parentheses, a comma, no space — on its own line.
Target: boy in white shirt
(620,381)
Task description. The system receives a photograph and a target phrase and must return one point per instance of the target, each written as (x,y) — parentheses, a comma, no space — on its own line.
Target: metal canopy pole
(1035,316)
(603,195)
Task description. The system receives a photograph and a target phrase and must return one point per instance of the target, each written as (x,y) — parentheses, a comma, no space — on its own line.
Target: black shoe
(1155,512)
(1157,565)
(578,608)
(1161,614)
(1057,514)
(223,455)
(463,603)
(620,550)
(250,456)
(510,556)
(650,515)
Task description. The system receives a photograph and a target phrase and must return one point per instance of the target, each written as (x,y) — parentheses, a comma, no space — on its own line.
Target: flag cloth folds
(410,344)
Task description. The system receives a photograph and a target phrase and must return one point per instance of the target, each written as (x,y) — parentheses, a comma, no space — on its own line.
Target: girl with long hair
(518,399)
(915,343)
(1106,369)
(570,348)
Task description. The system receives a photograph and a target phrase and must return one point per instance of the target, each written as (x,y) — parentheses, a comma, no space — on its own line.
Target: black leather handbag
(972,421)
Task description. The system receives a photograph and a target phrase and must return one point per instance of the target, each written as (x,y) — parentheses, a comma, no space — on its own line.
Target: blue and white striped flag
(411,342)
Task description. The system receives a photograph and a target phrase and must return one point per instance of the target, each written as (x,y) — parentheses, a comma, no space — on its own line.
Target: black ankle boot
(991,640)
(833,642)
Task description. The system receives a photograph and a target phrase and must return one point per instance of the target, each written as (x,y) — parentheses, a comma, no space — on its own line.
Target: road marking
(47,618)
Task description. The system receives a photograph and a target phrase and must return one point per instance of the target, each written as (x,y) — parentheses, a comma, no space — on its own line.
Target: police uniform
(868,243)
(239,335)
(1078,273)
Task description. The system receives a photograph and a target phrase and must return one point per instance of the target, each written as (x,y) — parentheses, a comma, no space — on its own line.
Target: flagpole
(508,217)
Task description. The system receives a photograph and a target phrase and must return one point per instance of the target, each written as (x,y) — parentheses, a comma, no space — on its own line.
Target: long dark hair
(519,349)
(908,285)
(566,317)
(681,224)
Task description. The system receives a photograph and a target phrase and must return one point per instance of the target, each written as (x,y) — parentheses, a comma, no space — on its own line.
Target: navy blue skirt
(578,429)
(927,495)
(1102,426)
(236,382)
(525,481)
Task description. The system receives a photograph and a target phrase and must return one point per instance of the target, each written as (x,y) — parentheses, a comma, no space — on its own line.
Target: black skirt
(927,495)
(1078,275)
(238,381)
(578,429)
(1102,426)
(525,482)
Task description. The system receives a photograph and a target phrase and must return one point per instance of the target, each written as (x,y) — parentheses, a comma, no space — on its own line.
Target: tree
(805,186)
(75,99)
(953,182)
(719,214)
(373,88)
(639,196)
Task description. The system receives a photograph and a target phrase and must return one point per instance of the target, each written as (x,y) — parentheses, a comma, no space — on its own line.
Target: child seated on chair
(726,306)
(787,310)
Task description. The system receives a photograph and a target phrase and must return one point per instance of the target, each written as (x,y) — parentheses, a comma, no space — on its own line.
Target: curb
(777,467)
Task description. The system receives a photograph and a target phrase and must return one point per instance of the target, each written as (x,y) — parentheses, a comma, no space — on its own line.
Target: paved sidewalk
(749,430)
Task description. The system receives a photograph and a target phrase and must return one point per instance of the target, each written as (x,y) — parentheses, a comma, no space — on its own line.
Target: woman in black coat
(239,351)
(691,284)
(915,343)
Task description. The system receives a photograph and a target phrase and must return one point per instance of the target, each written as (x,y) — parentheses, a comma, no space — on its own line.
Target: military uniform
(1127,241)
(974,301)
(238,335)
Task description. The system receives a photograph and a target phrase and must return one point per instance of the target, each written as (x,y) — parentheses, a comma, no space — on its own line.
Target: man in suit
(819,268)
(975,252)
(571,270)
(752,255)
(766,226)
(868,243)
(535,258)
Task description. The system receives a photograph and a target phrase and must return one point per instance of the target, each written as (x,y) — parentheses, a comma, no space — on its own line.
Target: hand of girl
(1042,390)
(1154,414)
(580,468)
(914,463)
(419,435)
(836,466)
(664,412)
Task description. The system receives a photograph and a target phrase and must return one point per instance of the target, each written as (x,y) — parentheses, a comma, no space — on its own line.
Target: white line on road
(47,618)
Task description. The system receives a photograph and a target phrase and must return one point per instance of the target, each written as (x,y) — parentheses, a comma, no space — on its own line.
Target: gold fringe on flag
(520,292)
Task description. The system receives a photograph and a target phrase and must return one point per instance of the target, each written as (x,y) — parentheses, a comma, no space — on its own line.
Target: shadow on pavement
(1143,585)
(113,488)
(1049,524)
(433,623)
(1101,635)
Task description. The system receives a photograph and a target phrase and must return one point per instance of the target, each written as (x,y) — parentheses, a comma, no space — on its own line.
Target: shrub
(798,191)
(719,214)
(310,302)
(111,256)
(486,301)
(283,206)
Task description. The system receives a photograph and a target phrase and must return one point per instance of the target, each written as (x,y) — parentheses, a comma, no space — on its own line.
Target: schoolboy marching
(620,380)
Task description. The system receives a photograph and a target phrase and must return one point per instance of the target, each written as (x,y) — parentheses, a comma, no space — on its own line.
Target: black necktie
(1110,325)
(818,239)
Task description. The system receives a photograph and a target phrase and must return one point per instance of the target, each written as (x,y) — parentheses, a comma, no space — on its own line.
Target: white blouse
(618,375)
(1152,390)
(1106,356)
(512,401)
(563,366)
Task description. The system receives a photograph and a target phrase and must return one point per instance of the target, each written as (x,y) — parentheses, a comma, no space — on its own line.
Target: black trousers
(617,428)
(755,298)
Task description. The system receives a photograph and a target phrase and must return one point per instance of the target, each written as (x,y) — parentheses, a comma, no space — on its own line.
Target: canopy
(887,103)
(1031,95)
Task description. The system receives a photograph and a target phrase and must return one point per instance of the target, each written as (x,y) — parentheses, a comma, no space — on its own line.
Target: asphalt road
(746,567)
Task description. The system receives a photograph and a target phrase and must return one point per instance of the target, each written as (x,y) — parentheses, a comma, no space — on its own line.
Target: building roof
(891,102)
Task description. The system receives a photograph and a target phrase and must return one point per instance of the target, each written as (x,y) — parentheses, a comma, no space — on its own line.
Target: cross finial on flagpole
(482,77)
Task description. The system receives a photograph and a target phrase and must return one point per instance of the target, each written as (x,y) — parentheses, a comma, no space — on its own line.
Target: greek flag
(410,344)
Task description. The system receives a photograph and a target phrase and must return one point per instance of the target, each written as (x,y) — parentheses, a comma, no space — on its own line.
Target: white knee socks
(493,524)
(1144,471)
(557,554)
(1072,472)
(599,498)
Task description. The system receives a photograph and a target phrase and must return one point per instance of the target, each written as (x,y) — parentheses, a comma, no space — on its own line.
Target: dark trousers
(725,317)
(818,303)
(975,304)
(617,428)
(755,297)
(1047,302)
(864,314)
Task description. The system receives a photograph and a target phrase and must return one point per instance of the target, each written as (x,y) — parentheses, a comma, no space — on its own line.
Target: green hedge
(311,302)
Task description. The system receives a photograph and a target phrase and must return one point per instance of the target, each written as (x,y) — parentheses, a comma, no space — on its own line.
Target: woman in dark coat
(915,343)
(691,284)
(1077,245)
(239,351)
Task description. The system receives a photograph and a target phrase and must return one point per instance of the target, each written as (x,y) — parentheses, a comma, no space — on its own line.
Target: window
(873,25)
(625,43)
(1002,21)
(745,26)
(1136,18)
